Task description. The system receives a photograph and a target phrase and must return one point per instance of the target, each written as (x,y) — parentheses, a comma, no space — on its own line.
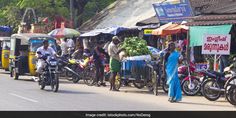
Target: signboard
(173,11)
(202,66)
(216,44)
(148,32)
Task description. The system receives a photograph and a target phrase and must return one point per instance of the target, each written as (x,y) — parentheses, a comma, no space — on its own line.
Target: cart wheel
(117,82)
(155,83)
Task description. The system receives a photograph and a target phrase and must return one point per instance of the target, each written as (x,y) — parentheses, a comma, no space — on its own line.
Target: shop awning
(169,29)
(159,31)
(175,29)
(92,33)
(197,33)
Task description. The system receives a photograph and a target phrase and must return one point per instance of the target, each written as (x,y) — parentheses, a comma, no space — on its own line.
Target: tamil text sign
(216,44)
(172,11)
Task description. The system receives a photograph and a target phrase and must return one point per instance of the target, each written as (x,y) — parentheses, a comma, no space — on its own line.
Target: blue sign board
(173,12)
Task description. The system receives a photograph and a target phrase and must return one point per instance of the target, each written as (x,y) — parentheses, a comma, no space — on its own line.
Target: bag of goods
(135,46)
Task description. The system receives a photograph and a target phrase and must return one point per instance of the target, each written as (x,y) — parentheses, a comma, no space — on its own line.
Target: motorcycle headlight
(53,63)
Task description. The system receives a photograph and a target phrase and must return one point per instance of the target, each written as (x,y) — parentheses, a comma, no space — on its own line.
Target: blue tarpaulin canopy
(109,30)
(5,29)
(114,30)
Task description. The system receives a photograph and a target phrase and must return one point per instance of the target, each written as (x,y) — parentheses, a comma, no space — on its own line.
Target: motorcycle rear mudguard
(192,77)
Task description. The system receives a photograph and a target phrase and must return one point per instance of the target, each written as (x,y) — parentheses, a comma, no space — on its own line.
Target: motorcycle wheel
(230,91)
(189,92)
(75,79)
(89,75)
(208,93)
(165,87)
(41,84)
(15,74)
(55,83)
(69,75)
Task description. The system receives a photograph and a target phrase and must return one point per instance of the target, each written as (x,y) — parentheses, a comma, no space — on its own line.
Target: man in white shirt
(64,48)
(71,46)
(41,51)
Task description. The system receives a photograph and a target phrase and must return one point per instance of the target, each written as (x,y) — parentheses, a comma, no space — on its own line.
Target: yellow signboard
(148,32)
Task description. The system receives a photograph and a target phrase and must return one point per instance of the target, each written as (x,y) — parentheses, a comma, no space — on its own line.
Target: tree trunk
(79,6)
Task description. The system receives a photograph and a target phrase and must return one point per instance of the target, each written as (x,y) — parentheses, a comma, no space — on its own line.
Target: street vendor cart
(139,71)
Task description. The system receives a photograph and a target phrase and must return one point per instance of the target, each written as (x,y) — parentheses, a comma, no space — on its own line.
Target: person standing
(171,68)
(114,64)
(71,46)
(64,48)
(98,57)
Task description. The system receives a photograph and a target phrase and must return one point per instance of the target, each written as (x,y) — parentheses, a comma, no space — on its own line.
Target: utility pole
(72,18)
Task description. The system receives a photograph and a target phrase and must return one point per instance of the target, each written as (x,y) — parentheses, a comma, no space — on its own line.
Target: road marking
(28,99)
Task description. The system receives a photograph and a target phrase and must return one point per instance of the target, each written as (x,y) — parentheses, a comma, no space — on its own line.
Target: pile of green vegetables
(135,46)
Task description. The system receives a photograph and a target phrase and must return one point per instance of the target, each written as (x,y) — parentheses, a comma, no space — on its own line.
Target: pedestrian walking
(171,68)
(115,64)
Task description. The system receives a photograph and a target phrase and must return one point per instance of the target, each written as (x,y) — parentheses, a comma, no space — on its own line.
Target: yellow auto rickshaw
(23,50)
(5,52)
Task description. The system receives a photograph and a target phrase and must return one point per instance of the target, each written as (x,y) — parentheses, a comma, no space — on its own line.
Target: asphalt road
(25,95)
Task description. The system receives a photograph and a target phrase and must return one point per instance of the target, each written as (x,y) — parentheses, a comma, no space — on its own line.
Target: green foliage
(11,11)
(135,46)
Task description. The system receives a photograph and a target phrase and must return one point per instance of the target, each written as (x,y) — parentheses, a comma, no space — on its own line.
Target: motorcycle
(230,85)
(66,69)
(190,84)
(213,85)
(83,69)
(49,76)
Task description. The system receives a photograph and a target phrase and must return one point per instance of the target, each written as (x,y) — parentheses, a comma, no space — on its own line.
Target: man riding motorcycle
(42,51)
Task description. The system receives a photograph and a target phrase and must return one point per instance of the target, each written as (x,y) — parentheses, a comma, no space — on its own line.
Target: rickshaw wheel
(15,74)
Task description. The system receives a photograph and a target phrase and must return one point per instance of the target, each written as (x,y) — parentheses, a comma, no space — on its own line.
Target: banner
(216,44)
(173,11)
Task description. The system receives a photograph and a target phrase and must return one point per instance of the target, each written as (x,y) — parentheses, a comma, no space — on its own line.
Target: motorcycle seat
(218,73)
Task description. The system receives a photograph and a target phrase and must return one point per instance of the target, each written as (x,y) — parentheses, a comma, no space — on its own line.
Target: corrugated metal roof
(214,17)
(209,23)
(206,20)
(124,13)
(149,21)
(213,6)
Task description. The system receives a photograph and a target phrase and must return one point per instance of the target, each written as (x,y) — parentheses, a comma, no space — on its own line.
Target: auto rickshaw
(23,50)
(5,52)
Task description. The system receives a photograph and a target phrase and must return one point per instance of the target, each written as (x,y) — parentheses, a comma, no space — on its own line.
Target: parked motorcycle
(213,86)
(230,85)
(190,84)
(84,69)
(67,69)
(49,77)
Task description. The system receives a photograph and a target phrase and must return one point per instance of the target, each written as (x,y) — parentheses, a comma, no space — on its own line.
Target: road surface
(25,95)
